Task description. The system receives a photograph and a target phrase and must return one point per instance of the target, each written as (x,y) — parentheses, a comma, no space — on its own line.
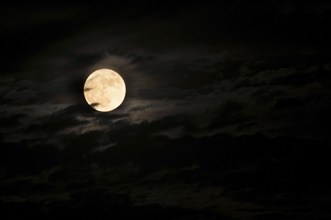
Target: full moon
(104,90)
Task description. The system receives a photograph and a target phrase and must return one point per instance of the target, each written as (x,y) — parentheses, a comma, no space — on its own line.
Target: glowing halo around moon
(104,90)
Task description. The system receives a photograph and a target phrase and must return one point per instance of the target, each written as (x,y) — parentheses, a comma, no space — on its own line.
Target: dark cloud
(12,120)
(226,113)
(209,168)
(19,159)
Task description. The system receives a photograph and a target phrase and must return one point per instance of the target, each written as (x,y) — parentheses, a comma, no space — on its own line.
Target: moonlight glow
(104,90)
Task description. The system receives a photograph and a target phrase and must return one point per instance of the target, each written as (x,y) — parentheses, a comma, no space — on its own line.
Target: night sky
(226,116)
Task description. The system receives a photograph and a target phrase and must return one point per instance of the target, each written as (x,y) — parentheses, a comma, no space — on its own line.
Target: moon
(104,90)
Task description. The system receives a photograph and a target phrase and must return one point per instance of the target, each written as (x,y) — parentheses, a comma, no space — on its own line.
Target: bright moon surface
(104,90)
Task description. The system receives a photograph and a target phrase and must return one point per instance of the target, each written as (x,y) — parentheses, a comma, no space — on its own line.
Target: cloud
(208,76)
(218,169)
(211,90)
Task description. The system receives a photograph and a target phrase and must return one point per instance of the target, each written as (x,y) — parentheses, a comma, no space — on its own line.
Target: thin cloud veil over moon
(104,90)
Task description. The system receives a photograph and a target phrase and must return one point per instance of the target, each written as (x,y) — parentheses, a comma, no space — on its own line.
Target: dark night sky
(227,112)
